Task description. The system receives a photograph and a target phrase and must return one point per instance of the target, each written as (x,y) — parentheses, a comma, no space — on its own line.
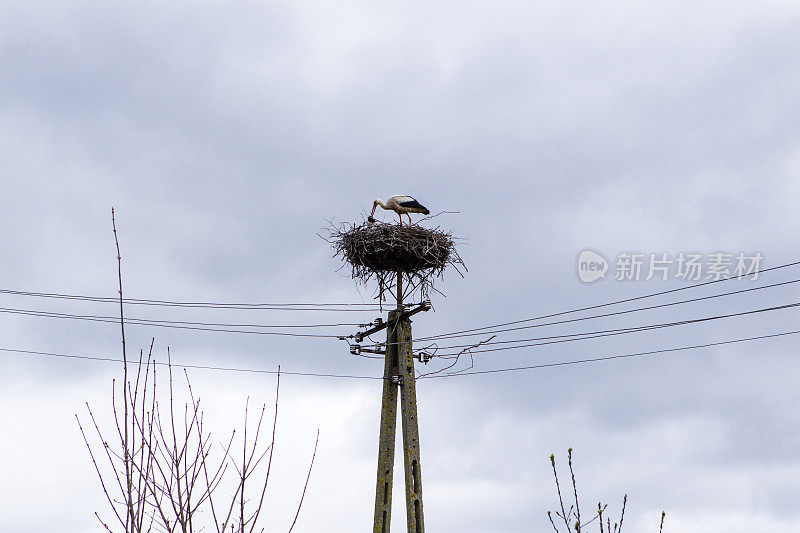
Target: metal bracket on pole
(357,349)
(380,324)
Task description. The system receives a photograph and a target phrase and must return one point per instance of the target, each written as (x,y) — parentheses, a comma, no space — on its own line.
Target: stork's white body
(402,205)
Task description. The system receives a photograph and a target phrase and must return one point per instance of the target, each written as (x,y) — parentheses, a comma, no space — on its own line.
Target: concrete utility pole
(399,373)
(416,255)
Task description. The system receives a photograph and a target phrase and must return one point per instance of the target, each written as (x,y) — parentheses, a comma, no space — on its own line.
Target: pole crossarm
(424,306)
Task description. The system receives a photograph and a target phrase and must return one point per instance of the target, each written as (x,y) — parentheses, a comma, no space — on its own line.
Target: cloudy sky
(227,134)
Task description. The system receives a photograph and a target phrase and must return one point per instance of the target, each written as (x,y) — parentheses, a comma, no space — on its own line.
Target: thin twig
(575,491)
(128,473)
(563,514)
(300,505)
(271,450)
(100,476)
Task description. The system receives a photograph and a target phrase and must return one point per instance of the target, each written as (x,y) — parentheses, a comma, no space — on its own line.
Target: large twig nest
(380,250)
(396,247)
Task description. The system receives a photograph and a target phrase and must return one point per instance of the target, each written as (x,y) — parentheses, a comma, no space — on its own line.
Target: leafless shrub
(162,474)
(156,467)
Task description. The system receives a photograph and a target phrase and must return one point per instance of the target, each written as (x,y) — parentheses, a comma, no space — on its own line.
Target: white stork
(402,205)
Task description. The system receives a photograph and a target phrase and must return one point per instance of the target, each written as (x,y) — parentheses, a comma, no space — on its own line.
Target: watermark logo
(686,266)
(591,266)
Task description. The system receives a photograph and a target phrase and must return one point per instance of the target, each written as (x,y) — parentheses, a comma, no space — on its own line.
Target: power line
(160,324)
(224,327)
(192,366)
(610,332)
(608,304)
(431,376)
(203,305)
(605,315)
(608,358)
(150,321)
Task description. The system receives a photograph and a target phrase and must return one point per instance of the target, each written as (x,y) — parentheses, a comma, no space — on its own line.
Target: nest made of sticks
(381,250)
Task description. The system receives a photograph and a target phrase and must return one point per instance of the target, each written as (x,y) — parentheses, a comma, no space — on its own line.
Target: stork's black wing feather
(412,203)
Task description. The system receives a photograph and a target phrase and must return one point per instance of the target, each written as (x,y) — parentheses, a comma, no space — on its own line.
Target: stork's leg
(401,218)
(409,219)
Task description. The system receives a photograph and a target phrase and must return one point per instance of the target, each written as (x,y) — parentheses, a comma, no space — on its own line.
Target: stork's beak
(373,209)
